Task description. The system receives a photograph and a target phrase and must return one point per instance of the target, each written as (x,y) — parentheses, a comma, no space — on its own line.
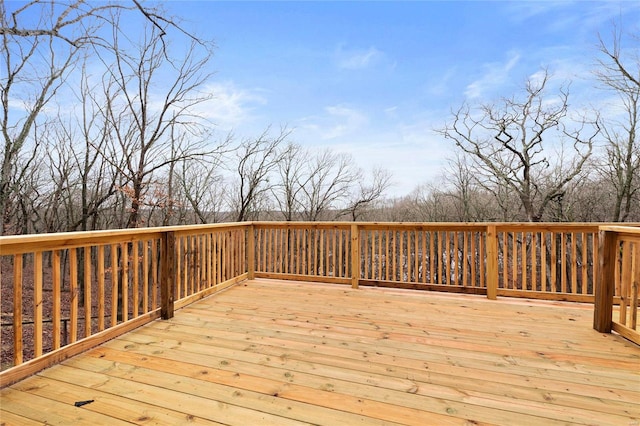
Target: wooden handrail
(619,272)
(163,269)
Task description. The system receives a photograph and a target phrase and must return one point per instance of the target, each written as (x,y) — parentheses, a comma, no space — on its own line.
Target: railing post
(355,255)
(167,282)
(603,308)
(492,262)
(251,252)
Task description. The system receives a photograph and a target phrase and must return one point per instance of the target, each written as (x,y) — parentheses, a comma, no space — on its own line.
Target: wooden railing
(98,285)
(550,261)
(102,284)
(620,275)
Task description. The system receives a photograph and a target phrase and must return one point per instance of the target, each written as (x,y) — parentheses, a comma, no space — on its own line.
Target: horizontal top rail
(632,229)
(17,244)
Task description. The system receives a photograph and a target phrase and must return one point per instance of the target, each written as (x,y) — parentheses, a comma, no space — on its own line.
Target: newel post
(605,281)
(492,262)
(355,255)
(168,273)
(251,252)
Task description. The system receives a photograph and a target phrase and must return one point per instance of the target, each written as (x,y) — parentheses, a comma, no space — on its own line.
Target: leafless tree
(331,177)
(203,190)
(292,172)
(34,68)
(619,71)
(37,57)
(515,142)
(153,104)
(367,192)
(256,160)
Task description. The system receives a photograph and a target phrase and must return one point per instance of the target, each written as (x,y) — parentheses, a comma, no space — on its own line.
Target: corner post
(168,273)
(355,255)
(492,262)
(251,252)
(605,281)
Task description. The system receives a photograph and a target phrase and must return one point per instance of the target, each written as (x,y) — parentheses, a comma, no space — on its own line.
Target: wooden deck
(274,352)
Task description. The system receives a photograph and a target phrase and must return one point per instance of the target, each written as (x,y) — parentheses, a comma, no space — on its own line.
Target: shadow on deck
(275,352)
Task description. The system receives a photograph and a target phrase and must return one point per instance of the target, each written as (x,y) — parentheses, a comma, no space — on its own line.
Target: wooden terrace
(251,344)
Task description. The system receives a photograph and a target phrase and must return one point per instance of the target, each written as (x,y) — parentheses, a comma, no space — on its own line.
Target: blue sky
(374,79)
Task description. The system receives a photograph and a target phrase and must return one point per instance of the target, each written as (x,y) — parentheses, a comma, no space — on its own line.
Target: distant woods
(107,128)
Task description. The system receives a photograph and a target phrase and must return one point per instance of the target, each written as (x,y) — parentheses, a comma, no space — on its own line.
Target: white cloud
(495,75)
(358,59)
(230,106)
(336,122)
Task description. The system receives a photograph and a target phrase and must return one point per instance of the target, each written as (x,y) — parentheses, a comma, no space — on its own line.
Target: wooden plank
(584,267)
(155,268)
(48,411)
(524,264)
(37,303)
(101,297)
(543,261)
(492,261)
(505,260)
(114,284)
(124,284)
(574,263)
(554,262)
(145,275)
(167,275)
(534,261)
(109,404)
(87,291)
(635,283)
(466,256)
(73,288)
(17,309)
(355,256)
(456,258)
(179,260)
(26,369)
(603,307)
(563,263)
(481,259)
(56,283)
(251,254)
(625,280)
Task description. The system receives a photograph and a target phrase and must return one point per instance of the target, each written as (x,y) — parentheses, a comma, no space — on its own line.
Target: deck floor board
(274,352)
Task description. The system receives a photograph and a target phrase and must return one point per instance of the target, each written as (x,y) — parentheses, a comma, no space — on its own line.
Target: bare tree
(512,144)
(368,192)
(203,189)
(619,71)
(153,103)
(292,171)
(37,57)
(257,159)
(33,70)
(331,177)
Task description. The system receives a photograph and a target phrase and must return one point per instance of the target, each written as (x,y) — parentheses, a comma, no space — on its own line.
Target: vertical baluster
(73,287)
(56,282)
(101,301)
(17,309)
(114,284)
(145,276)
(136,275)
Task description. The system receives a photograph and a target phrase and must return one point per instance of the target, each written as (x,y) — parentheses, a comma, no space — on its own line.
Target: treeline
(107,129)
